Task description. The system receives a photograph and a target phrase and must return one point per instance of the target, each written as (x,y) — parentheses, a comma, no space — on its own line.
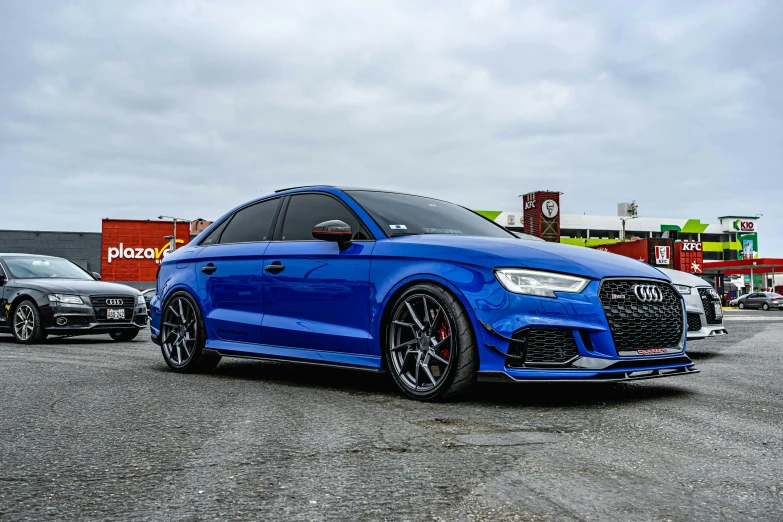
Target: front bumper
(72,319)
(694,305)
(583,348)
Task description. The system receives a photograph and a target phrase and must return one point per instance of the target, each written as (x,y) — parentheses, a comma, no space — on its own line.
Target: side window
(214,236)
(307,210)
(251,224)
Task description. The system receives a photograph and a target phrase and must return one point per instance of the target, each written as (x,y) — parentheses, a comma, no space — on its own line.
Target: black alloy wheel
(124,336)
(430,349)
(183,336)
(26,324)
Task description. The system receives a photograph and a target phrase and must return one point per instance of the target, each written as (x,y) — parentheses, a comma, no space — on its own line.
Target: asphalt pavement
(98,430)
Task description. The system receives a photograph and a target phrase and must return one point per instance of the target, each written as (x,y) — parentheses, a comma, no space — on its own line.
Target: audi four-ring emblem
(114,302)
(648,293)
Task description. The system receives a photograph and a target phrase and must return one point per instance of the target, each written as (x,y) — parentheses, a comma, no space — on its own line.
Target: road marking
(750,318)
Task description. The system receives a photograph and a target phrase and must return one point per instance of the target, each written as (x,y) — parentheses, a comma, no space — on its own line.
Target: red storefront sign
(656,252)
(689,257)
(542,215)
(131,250)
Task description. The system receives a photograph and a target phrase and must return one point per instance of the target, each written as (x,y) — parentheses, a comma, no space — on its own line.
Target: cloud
(135,109)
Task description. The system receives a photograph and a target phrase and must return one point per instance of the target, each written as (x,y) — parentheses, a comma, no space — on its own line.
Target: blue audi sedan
(426,290)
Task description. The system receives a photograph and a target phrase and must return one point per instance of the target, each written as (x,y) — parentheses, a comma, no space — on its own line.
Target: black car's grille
(694,322)
(542,346)
(108,302)
(708,299)
(639,325)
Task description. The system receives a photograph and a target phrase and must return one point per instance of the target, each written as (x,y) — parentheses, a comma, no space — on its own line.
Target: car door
(754,301)
(316,293)
(229,269)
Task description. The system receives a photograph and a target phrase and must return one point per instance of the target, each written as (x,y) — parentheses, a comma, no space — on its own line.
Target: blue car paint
(329,308)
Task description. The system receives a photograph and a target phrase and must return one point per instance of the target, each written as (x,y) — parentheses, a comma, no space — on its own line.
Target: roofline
(740,217)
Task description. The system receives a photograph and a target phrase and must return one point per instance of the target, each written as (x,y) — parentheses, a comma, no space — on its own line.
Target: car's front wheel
(26,323)
(430,347)
(741,306)
(124,336)
(183,336)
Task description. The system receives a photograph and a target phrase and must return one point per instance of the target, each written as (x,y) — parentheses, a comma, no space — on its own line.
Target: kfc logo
(663,255)
(691,247)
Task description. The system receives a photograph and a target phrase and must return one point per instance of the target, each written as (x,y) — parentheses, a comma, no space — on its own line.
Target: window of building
(573,232)
(307,210)
(604,234)
(713,256)
(712,238)
(251,224)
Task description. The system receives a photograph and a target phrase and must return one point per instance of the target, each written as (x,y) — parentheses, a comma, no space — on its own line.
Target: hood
(540,255)
(72,286)
(684,278)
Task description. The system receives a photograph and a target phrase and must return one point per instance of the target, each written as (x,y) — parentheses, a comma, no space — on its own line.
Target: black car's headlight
(534,282)
(684,290)
(65,299)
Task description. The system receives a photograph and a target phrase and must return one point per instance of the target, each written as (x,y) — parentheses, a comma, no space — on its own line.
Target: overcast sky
(133,109)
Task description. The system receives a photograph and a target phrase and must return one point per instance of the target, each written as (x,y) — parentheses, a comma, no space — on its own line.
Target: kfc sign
(691,247)
(663,255)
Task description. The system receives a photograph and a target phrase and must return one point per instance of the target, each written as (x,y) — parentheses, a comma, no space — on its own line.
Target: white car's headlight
(65,299)
(684,290)
(140,300)
(534,282)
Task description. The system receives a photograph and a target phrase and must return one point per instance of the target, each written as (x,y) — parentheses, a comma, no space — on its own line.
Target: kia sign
(131,250)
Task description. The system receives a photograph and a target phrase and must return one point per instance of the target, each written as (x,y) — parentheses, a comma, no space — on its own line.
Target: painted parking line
(750,318)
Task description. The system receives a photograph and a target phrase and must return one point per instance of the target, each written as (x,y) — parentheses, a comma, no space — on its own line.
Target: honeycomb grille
(708,299)
(694,322)
(639,325)
(544,346)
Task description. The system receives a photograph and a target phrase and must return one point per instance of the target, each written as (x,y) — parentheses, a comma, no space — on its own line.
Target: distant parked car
(148,295)
(736,302)
(763,300)
(42,295)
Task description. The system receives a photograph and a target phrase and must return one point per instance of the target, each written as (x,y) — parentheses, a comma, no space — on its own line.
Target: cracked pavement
(95,429)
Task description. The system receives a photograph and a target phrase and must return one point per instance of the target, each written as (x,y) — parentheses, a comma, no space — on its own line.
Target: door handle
(209,269)
(275,268)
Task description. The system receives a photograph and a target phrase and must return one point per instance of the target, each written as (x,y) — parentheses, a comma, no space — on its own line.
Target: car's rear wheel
(183,336)
(124,336)
(765,307)
(26,323)
(430,347)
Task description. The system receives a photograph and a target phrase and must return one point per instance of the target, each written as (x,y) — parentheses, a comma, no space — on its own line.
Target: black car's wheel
(741,305)
(26,323)
(765,307)
(183,336)
(124,336)
(430,348)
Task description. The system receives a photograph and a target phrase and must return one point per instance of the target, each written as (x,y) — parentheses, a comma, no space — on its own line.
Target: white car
(702,303)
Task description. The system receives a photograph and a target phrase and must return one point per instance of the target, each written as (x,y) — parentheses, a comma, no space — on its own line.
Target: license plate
(718,310)
(115,314)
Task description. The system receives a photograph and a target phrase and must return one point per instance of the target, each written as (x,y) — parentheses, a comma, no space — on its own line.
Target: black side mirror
(97,276)
(3,279)
(334,230)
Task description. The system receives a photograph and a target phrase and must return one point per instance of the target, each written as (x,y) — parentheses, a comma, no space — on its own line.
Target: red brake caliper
(443,334)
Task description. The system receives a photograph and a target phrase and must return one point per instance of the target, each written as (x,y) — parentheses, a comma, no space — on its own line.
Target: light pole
(173,241)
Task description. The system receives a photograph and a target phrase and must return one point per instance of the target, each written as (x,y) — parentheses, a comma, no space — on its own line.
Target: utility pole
(173,240)
(631,210)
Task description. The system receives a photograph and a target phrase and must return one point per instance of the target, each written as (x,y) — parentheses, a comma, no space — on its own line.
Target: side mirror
(97,276)
(3,279)
(333,230)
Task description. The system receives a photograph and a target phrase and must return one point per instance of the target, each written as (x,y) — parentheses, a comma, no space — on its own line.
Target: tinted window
(402,215)
(251,224)
(307,210)
(214,236)
(45,268)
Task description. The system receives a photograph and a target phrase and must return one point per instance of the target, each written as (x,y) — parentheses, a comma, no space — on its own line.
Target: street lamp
(173,240)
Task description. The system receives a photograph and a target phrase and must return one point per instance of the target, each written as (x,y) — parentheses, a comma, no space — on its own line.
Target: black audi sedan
(42,296)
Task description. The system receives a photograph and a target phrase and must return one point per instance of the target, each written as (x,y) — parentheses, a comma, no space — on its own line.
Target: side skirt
(372,363)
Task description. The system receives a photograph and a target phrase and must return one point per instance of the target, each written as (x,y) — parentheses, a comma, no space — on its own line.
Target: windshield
(405,215)
(45,268)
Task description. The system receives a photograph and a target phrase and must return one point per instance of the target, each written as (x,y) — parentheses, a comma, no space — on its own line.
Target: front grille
(102,303)
(708,300)
(542,346)
(640,325)
(694,322)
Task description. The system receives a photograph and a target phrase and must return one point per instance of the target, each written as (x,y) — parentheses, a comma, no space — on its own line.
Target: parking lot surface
(95,429)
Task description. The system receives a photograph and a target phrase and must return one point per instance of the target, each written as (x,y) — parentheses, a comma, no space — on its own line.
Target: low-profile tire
(183,336)
(765,307)
(429,345)
(124,336)
(26,324)
(741,306)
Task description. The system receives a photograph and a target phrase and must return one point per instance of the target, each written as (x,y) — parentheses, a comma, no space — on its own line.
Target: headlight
(65,299)
(140,300)
(684,290)
(533,282)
